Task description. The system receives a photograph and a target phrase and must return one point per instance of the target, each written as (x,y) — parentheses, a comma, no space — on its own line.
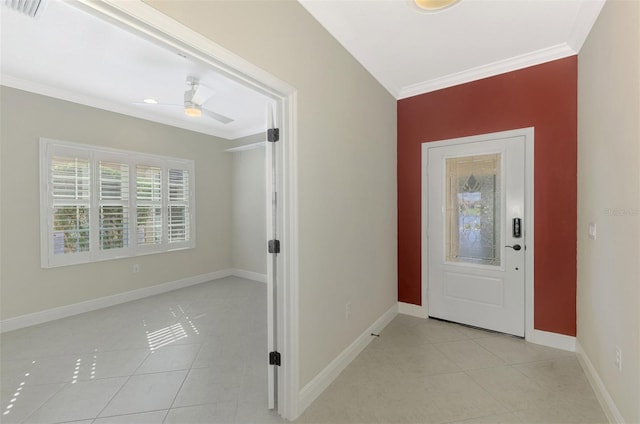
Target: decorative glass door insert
(473,204)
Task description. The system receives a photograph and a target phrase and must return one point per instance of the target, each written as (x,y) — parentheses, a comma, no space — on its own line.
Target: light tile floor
(197,355)
(429,371)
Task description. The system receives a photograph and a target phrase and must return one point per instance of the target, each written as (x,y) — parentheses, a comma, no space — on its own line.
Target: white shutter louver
(148,205)
(179,214)
(70,191)
(114,205)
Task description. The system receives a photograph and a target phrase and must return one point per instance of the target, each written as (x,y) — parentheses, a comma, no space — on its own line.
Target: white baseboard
(315,387)
(249,275)
(558,341)
(413,310)
(36,318)
(606,401)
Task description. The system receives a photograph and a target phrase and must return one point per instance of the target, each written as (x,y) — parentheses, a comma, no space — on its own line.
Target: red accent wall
(543,97)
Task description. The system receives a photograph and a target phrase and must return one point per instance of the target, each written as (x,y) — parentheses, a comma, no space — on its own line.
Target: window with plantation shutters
(99,203)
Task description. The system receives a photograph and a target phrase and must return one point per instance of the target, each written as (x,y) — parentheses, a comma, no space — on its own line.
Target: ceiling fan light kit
(191,109)
(430,6)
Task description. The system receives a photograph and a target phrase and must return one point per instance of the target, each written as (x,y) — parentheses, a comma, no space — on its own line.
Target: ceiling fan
(194,99)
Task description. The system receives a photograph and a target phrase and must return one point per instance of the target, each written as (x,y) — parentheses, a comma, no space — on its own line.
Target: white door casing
(495,292)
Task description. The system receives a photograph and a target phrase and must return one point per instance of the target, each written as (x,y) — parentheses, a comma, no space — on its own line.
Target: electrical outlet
(136,268)
(618,358)
(347,310)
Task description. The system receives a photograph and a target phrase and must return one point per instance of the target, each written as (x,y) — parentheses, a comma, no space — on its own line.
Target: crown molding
(587,16)
(496,68)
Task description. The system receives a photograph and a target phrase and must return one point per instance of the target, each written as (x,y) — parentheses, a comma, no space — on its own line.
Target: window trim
(95,154)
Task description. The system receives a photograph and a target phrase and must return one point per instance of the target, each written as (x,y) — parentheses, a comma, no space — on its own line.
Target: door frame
(528,134)
(143,19)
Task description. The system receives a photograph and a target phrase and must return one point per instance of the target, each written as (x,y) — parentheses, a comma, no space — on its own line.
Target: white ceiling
(70,54)
(411,52)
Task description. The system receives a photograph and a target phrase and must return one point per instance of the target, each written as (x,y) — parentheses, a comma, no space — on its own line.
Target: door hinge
(274,358)
(273,134)
(274,246)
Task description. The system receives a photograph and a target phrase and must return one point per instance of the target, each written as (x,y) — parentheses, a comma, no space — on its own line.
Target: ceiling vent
(32,8)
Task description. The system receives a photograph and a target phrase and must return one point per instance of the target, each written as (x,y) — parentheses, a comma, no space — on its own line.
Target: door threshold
(475,327)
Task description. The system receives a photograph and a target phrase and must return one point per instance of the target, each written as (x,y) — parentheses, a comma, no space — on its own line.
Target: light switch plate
(592,230)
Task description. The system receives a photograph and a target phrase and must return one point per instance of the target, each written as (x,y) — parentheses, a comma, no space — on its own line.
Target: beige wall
(346,165)
(609,195)
(25,287)
(248,211)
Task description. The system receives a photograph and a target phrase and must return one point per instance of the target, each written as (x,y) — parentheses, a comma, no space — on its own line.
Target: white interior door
(475,233)
(272,260)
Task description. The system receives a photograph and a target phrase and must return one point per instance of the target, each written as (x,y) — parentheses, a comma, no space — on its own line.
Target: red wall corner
(543,97)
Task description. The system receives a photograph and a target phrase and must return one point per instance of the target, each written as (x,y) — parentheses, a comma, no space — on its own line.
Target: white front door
(475,232)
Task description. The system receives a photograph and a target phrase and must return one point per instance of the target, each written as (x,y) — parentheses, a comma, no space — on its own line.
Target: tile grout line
(173,401)
(121,387)
(45,402)
(123,415)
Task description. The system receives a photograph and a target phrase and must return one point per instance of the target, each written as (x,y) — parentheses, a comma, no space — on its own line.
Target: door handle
(515,247)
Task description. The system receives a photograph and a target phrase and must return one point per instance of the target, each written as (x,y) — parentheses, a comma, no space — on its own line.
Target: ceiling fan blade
(202,95)
(220,118)
(157,104)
